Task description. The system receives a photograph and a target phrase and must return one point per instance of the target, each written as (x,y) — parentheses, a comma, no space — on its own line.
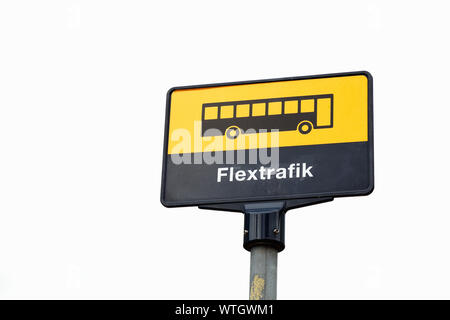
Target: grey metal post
(263,273)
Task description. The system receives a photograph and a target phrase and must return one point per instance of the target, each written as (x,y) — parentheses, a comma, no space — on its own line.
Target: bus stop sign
(279,139)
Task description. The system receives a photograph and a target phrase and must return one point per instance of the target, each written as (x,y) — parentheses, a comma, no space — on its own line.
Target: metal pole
(263,273)
(264,224)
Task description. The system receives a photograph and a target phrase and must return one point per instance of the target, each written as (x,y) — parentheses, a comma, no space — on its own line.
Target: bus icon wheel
(304,127)
(232,132)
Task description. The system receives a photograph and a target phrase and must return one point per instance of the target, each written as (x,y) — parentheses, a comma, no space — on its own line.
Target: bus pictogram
(302,113)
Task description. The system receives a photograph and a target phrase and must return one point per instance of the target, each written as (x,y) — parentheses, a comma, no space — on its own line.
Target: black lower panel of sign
(301,172)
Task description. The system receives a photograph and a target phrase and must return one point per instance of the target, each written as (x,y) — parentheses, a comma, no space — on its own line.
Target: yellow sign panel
(269,114)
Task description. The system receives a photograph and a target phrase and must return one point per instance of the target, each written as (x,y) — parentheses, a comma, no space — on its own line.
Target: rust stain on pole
(257,288)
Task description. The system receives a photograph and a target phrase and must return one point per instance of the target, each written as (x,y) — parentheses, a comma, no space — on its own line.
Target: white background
(82,102)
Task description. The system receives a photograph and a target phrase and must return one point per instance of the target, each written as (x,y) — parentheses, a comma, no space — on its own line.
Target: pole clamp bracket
(264,221)
(264,225)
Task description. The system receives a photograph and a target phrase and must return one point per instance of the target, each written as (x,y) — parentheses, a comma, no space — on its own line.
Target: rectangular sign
(290,138)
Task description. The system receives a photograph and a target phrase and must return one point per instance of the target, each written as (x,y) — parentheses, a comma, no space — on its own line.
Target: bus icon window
(291,106)
(258,109)
(226,112)
(275,107)
(303,114)
(210,113)
(242,110)
(307,105)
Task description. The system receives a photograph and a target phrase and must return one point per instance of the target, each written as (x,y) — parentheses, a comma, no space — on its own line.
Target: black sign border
(363,192)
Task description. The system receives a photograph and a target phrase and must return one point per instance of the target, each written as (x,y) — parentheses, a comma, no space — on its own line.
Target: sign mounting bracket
(264,221)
